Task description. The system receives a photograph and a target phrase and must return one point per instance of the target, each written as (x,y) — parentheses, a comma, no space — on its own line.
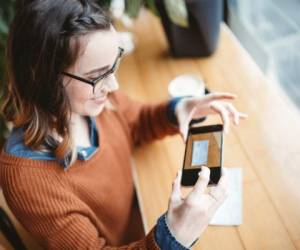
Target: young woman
(65,168)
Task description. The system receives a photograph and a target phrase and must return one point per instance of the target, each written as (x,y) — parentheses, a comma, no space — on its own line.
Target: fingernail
(201,169)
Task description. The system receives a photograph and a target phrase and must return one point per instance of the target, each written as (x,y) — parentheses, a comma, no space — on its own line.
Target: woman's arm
(145,122)
(51,212)
(49,209)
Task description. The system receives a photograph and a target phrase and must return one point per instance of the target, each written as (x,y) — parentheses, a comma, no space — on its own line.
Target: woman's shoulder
(22,168)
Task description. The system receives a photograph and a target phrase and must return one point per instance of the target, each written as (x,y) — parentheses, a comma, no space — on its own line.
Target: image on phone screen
(203,148)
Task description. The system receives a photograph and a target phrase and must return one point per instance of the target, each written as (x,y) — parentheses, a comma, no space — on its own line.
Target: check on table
(266,146)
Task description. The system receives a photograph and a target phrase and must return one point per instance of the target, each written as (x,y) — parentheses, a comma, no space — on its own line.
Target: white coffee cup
(186,85)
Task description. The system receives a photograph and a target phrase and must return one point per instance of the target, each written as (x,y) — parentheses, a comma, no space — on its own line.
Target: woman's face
(101,49)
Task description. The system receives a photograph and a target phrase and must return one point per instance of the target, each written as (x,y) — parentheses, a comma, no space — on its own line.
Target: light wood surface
(266,146)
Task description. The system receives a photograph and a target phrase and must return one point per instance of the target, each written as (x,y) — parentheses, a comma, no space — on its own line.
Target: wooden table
(266,146)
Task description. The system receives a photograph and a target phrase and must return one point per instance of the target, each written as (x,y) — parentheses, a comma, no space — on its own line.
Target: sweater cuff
(164,238)
(171,110)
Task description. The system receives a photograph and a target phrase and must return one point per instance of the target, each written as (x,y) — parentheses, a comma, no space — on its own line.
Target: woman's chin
(94,109)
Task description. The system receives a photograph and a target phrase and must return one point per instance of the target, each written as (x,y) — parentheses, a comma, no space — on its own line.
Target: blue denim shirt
(15,146)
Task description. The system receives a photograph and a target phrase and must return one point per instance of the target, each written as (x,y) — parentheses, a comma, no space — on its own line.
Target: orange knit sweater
(87,206)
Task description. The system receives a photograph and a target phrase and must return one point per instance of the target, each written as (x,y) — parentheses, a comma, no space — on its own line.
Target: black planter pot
(200,39)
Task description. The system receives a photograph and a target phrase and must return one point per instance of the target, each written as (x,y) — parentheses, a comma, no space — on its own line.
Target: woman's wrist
(164,237)
(184,244)
(187,243)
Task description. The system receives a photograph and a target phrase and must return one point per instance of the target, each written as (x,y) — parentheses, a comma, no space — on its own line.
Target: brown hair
(39,49)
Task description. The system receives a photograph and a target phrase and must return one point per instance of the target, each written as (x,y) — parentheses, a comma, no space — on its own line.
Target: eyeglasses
(100,79)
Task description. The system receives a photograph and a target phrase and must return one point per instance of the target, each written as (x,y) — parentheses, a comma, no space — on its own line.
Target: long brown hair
(43,42)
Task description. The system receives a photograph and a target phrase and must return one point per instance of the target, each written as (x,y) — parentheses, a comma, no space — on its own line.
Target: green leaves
(177,12)
(150,4)
(132,7)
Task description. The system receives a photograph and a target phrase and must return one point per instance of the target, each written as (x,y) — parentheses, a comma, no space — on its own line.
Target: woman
(65,168)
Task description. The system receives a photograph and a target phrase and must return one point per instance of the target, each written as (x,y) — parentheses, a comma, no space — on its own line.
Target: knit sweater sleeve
(53,215)
(145,122)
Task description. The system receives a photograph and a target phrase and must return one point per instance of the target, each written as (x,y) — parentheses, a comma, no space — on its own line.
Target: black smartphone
(204,147)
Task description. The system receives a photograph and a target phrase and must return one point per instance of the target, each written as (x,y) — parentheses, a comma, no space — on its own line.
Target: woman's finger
(223,182)
(219,192)
(220,96)
(184,130)
(184,122)
(234,113)
(243,115)
(176,192)
(224,115)
(200,185)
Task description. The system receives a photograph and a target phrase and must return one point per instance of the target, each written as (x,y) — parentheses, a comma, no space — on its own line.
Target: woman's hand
(187,218)
(197,107)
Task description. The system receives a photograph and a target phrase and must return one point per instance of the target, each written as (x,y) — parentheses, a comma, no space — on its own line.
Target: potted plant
(192,26)
(200,37)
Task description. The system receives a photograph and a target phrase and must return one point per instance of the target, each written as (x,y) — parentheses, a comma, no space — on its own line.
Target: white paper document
(230,212)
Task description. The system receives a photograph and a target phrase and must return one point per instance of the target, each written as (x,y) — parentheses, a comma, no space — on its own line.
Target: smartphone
(204,147)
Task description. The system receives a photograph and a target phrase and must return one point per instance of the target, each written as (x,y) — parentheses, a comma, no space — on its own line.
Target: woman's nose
(110,84)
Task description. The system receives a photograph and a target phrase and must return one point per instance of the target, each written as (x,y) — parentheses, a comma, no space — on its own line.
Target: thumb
(184,131)
(184,122)
(176,192)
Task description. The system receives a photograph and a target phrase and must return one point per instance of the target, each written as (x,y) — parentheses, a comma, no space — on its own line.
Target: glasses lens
(98,87)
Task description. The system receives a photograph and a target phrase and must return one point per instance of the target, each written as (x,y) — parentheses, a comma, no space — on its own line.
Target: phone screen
(203,148)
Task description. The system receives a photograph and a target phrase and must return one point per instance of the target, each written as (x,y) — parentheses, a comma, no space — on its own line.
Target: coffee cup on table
(186,85)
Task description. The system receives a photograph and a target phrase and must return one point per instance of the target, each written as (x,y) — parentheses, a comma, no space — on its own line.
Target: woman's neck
(80,130)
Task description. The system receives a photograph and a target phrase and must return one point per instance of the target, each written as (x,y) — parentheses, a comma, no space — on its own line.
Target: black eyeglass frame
(101,77)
